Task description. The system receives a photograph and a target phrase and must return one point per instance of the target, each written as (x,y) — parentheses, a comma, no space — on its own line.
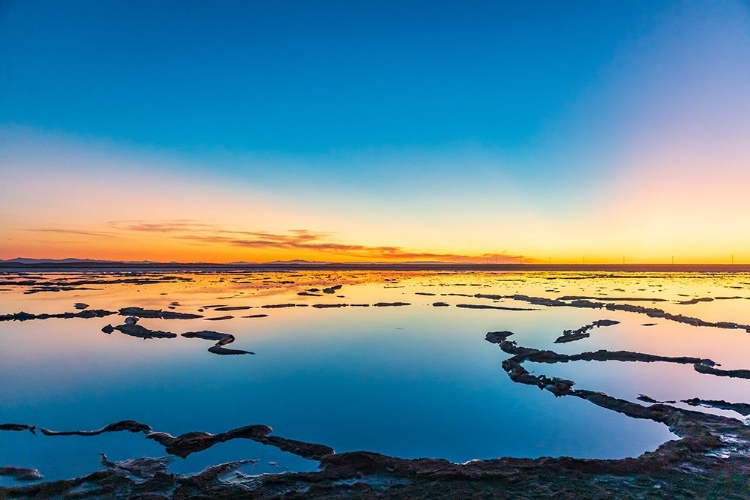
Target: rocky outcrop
(86,314)
(156,313)
(485,306)
(18,427)
(21,473)
(221,340)
(142,332)
(651,312)
(583,332)
(741,408)
(122,426)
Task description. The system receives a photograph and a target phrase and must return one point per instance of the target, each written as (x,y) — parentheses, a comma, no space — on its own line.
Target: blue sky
(391,107)
(308,77)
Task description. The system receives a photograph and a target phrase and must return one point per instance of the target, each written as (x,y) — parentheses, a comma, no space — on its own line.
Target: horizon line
(86,264)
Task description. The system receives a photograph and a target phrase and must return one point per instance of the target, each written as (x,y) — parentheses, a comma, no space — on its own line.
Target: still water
(414,380)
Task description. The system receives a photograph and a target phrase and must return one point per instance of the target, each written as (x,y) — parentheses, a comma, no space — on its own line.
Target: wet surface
(402,378)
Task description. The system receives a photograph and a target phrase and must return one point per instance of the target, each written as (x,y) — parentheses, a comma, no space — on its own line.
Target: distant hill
(295,262)
(22,264)
(275,263)
(24,260)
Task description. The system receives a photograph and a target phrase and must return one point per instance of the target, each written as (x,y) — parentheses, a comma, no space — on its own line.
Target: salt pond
(412,380)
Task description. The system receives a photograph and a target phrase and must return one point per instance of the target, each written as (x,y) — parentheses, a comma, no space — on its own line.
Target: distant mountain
(24,260)
(22,263)
(294,262)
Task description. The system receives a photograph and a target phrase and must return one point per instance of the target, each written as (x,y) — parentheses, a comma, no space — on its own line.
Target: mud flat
(708,461)
(709,458)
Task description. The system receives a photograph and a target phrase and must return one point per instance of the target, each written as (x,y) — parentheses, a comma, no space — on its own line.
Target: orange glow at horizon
(118,209)
(126,246)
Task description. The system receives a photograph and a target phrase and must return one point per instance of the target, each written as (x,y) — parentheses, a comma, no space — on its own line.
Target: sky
(540,131)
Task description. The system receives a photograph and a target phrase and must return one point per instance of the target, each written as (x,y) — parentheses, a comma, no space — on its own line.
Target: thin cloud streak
(278,241)
(170,226)
(297,239)
(74,231)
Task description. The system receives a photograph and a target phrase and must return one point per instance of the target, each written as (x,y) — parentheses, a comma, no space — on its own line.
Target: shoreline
(707,460)
(12,267)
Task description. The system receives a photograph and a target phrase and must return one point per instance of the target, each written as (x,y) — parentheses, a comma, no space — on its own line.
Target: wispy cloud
(168,226)
(98,234)
(302,240)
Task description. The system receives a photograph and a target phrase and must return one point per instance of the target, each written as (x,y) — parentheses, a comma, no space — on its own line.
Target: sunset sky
(376,131)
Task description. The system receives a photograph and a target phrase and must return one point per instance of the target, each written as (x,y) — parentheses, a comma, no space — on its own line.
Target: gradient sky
(361,131)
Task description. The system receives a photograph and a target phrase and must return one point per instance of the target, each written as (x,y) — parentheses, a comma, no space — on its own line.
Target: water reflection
(411,381)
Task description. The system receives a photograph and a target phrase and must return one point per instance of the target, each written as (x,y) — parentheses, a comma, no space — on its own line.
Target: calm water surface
(410,381)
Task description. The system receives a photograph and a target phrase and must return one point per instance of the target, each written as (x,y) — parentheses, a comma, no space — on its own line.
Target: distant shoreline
(412,266)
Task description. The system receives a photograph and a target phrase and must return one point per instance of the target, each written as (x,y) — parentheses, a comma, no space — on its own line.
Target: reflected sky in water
(411,381)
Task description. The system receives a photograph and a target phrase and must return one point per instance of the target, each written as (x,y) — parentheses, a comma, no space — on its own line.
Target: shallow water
(409,381)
